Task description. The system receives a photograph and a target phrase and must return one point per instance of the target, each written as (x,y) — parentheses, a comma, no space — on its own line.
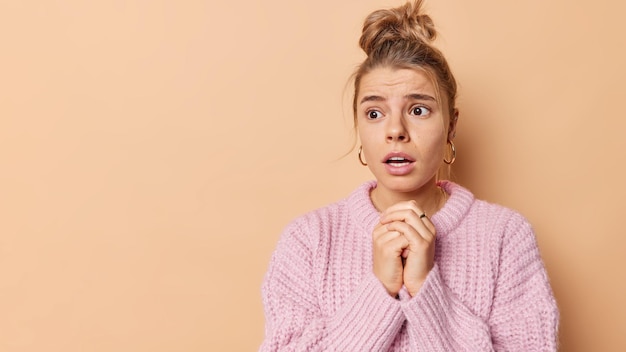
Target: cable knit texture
(488,290)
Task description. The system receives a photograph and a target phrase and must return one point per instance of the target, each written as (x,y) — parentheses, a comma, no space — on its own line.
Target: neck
(430,198)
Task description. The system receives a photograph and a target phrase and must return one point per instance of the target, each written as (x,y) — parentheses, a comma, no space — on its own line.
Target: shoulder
(504,227)
(505,232)
(318,219)
(480,214)
(498,215)
(333,218)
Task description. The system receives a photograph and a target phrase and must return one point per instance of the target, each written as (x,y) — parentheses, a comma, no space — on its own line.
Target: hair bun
(407,22)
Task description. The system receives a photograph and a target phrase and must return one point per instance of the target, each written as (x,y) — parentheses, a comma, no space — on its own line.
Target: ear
(452,127)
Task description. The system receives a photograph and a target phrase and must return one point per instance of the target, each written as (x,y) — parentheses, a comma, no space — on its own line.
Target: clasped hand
(403,248)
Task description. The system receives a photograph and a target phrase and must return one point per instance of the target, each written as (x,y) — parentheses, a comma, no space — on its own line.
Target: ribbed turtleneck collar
(445,220)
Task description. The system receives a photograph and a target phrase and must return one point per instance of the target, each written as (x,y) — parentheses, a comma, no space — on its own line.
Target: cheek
(366,135)
(431,136)
(432,146)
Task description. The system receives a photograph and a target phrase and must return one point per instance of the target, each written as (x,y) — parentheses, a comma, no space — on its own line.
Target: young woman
(407,262)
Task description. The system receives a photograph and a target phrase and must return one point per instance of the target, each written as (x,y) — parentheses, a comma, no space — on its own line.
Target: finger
(410,204)
(420,224)
(379,230)
(425,219)
(429,224)
(406,230)
(404,208)
(416,239)
(392,243)
(381,234)
(401,215)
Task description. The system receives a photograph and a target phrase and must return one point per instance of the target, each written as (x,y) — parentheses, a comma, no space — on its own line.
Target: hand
(404,218)
(387,248)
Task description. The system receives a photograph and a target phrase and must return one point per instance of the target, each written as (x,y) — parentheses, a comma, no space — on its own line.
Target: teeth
(397,161)
(398,164)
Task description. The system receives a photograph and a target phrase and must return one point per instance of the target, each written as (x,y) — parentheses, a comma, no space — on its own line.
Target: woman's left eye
(420,111)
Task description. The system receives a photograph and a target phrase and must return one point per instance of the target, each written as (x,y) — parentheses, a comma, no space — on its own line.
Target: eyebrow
(413,96)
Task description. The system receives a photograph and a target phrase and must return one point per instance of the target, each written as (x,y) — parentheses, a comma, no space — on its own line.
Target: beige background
(152,151)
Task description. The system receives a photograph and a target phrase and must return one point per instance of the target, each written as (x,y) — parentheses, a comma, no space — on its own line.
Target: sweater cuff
(370,318)
(437,316)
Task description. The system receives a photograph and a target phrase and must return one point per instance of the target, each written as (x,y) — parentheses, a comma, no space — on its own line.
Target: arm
(368,320)
(439,321)
(523,315)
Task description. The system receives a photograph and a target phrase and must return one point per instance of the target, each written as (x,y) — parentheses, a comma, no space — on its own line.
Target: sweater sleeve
(523,315)
(368,320)
(439,321)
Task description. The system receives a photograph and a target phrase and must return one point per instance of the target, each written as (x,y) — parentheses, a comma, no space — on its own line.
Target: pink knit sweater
(488,290)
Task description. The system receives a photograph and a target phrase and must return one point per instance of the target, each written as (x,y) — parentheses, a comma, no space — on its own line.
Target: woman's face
(402,128)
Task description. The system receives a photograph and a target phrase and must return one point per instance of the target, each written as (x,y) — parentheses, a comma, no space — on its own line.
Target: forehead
(396,81)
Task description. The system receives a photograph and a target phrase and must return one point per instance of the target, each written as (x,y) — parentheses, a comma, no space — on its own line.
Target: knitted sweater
(488,289)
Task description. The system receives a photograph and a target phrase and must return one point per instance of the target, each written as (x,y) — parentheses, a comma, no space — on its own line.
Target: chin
(401,184)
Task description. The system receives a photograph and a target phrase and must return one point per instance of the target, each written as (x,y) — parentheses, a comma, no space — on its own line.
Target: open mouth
(398,161)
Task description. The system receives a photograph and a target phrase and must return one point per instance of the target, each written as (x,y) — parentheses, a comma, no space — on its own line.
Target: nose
(396,129)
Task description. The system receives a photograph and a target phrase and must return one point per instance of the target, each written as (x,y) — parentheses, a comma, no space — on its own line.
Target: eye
(374,114)
(420,110)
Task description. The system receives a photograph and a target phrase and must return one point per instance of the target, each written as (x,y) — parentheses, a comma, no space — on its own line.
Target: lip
(400,170)
(398,155)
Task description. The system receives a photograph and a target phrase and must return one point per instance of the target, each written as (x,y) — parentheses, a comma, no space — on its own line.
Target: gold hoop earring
(449,162)
(361,156)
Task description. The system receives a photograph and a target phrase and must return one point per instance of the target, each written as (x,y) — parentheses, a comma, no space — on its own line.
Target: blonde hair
(402,37)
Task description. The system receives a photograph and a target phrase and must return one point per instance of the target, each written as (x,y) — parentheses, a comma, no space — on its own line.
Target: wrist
(393,293)
(415,286)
